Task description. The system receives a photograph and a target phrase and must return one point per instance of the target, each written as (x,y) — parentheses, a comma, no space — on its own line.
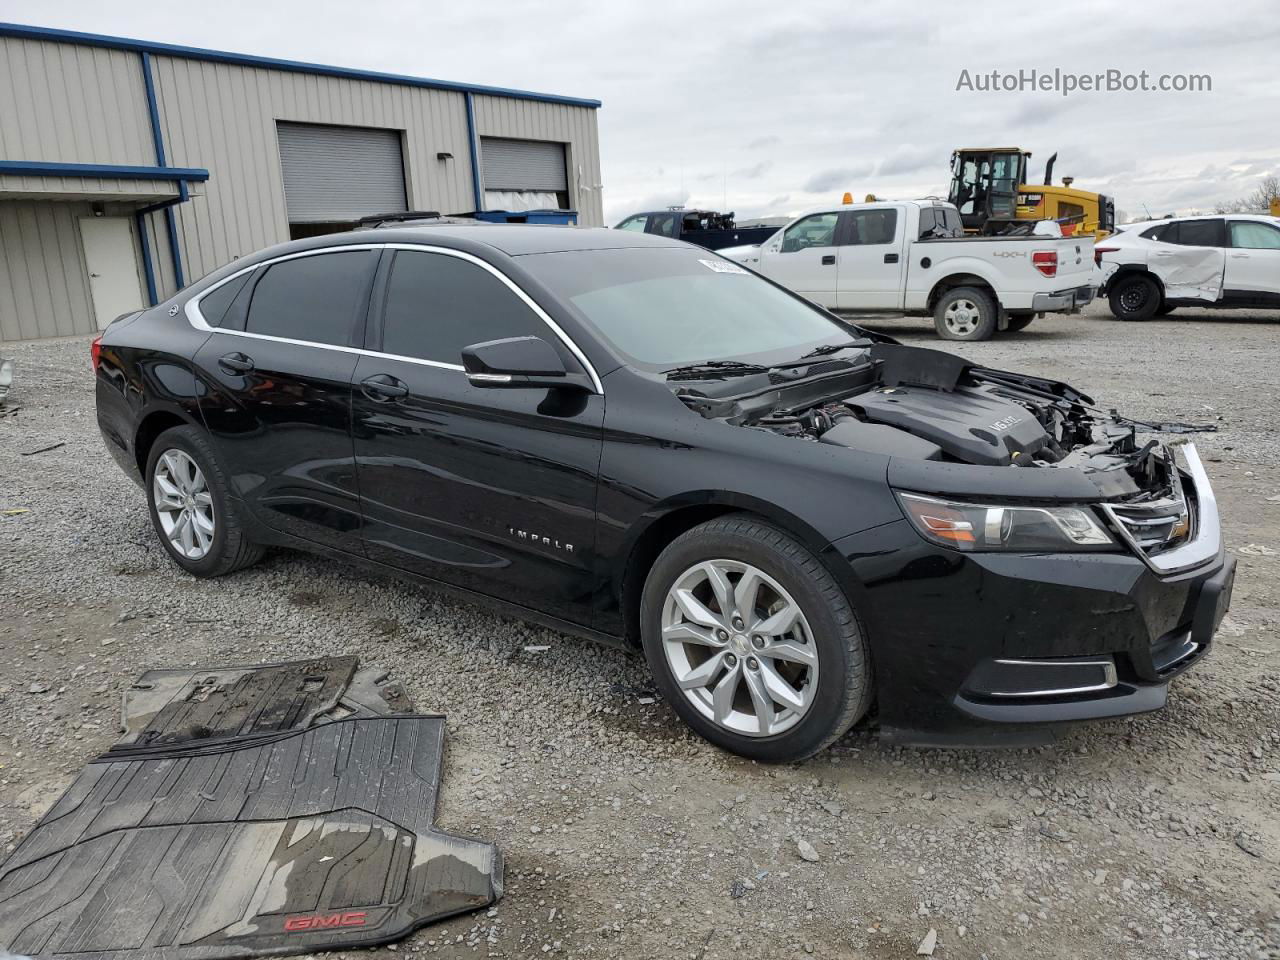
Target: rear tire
(1019,321)
(1165,309)
(1134,298)
(965,313)
(794,626)
(195,518)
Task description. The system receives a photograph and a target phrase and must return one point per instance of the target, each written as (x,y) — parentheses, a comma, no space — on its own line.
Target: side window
(1197,233)
(214,306)
(663,224)
(1159,233)
(634,223)
(818,230)
(955,226)
(868,227)
(437,304)
(312,298)
(1252,235)
(928,223)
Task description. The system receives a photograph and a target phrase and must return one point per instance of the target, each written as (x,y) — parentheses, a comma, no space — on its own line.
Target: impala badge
(540,539)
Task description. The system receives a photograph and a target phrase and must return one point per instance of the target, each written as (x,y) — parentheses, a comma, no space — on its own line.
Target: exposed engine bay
(921,404)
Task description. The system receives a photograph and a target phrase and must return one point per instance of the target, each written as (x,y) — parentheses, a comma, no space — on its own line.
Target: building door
(523,174)
(335,175)
(113,267)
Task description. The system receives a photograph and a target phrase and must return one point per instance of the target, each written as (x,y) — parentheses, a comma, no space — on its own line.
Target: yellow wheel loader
(989,186)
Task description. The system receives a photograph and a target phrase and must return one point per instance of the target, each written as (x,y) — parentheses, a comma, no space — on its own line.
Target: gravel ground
(627,837)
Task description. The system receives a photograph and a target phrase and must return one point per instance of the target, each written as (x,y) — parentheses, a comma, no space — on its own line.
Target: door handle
(1239,256)
(382,387)
(829,260)
(893,258)
(235,363)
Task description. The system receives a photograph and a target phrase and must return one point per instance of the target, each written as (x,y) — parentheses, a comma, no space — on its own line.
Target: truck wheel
(965,313)
(1165,309)
(1020,321)
(1134,298)
(753,642)
(191,510)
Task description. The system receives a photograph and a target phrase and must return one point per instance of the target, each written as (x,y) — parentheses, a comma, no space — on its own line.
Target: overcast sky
(776,107)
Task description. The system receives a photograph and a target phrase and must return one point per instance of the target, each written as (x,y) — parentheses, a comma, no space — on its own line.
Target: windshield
(666,307)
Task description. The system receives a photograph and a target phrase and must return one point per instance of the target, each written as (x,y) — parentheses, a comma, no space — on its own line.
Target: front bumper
(983,649)
(1063,301)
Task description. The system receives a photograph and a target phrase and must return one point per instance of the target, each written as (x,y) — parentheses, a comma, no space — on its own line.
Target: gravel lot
(627,837)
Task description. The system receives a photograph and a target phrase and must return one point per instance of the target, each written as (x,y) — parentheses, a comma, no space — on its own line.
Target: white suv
(1149,269)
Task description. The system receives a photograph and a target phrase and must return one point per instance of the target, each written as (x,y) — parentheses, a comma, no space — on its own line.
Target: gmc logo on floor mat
(325,921)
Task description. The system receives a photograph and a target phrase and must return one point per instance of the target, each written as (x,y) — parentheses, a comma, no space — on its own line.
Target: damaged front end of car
(1083,545)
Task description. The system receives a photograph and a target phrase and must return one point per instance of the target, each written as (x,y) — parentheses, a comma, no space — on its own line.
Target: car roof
(1147,224)
(515,240)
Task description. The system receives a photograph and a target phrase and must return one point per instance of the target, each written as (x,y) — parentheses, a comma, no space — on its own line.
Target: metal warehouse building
(129,168)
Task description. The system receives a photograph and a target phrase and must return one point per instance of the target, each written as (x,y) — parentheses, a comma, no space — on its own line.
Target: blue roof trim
(271,63)
(39,168)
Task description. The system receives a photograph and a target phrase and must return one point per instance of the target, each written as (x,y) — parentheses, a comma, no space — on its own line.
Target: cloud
(910,160)
(759,143)
(753,172)
(836,178)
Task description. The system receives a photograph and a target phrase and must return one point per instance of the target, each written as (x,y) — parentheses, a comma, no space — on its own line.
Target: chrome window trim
(197,320)
(1206,543)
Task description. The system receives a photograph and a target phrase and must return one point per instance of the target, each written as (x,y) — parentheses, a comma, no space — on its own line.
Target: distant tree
(1268,190)
(1259,201)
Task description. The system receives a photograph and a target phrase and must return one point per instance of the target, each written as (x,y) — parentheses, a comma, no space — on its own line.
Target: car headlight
(977,527)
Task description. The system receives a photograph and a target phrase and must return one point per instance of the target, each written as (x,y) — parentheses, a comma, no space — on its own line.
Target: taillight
(95,352)
(1046,261)
(1099,251)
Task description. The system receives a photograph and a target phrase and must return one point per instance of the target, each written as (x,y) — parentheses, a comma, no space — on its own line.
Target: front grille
(1155,527)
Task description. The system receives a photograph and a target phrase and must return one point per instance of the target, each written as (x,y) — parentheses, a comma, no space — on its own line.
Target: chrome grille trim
(1205,541)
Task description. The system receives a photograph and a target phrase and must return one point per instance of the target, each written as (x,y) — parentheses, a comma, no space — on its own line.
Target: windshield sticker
(722,266)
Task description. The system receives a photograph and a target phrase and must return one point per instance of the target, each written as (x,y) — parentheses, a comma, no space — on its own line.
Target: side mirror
(519,362)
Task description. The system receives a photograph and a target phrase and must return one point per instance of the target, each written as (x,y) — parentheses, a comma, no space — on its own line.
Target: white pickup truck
(912,257)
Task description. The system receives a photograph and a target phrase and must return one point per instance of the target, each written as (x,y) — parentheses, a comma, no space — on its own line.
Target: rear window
(1196,233)
(312,298)
(1155,233)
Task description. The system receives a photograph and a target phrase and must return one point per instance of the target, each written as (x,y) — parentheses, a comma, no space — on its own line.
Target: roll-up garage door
(336,174)
(523,165)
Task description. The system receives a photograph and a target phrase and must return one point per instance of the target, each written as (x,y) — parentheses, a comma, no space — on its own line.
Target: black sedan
(632,439)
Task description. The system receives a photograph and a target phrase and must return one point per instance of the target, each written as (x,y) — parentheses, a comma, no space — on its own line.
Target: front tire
(753,642)
(1134,298)
(193,515)
(965,313)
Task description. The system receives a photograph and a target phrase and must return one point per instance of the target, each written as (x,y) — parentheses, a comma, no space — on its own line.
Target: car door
(870,268)
(492,490)
(803,258)
(1253,263)
(275,384)
(1190,259)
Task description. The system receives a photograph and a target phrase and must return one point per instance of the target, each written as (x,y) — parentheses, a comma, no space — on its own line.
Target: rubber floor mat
(167,707)
(307,840)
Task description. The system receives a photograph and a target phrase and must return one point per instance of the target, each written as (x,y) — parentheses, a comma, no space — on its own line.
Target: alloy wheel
(962,317)
(184,504)
(739,648)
